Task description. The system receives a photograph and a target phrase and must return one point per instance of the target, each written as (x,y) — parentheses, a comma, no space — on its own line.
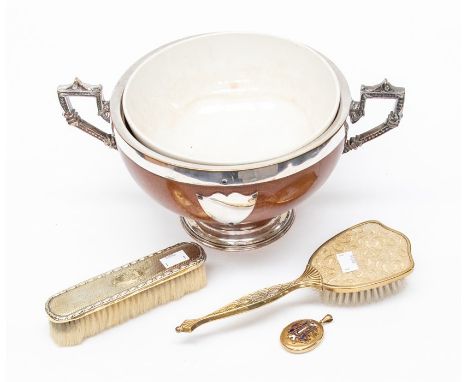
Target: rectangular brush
(111,298)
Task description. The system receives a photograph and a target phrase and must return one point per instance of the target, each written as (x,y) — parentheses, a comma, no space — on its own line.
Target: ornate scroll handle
(78,88)
(382,90)
(310,278)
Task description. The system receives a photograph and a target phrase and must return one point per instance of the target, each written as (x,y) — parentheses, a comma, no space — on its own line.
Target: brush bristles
(73,332)
(361,297)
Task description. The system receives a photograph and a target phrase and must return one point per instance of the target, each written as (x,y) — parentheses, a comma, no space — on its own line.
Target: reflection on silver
(223,175)
(228,209)
(239,237)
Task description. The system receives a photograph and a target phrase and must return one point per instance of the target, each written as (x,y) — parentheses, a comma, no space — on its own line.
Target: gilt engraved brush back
(379,254)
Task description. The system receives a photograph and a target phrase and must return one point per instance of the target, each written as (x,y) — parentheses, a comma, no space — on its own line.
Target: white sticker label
(347,262)
(174,259)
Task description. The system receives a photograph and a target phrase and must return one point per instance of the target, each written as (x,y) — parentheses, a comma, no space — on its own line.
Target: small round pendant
(303,335)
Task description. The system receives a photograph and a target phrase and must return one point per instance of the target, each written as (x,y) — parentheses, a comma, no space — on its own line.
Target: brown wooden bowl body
(274,197)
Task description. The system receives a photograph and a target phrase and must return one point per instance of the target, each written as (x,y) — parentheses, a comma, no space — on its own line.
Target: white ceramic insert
(231,98)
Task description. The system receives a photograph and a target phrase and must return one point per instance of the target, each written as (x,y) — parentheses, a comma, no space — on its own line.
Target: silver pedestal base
(239,237)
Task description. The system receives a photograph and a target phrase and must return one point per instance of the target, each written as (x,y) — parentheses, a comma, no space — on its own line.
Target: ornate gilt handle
(243,304)
(80,89)
(382,90)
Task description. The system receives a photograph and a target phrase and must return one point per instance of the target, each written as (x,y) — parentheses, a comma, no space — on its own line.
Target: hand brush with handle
(362,263)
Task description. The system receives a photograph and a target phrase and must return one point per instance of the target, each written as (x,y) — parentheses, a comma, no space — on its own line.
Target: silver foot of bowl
(239,237)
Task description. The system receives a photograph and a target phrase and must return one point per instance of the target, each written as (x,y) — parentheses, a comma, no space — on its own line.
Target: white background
(73,210)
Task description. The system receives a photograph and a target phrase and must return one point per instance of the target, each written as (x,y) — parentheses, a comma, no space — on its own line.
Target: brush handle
(251,301)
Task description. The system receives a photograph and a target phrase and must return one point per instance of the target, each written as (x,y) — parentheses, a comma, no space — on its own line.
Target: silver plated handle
(81,89)
(382,90)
